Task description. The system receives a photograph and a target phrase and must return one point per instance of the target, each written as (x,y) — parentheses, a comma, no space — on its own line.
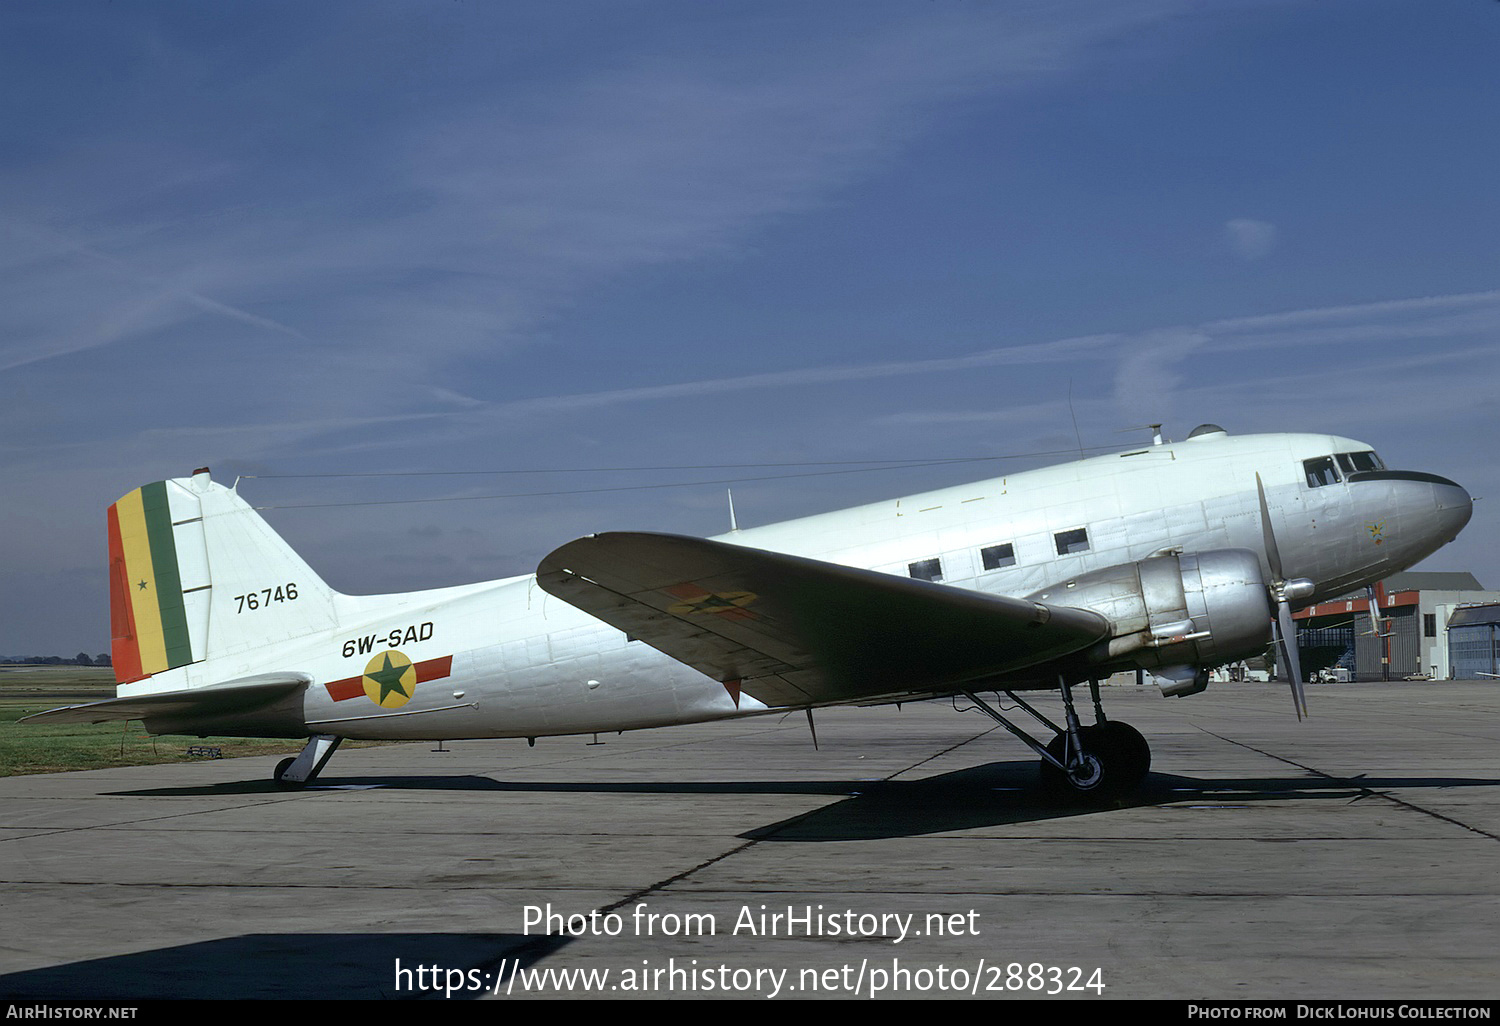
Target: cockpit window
(1362,461)
(1320,472)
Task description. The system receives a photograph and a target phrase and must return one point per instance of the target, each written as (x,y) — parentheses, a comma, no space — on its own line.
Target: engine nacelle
(1174,614)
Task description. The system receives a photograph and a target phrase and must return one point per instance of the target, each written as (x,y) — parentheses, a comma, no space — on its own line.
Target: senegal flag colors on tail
(148,625)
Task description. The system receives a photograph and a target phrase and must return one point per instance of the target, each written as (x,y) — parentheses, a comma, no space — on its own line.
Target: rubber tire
(281,768)
(1123,756)
(1130,750)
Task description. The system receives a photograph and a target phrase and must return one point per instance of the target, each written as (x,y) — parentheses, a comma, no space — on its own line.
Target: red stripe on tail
(124,650)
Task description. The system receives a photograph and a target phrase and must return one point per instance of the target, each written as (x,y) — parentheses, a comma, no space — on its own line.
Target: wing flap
(241,695)
(791,630)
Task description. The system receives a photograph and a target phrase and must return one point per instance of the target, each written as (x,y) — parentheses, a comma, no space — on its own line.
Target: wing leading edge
(789,630)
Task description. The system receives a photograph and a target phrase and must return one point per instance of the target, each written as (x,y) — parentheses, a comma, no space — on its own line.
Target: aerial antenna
(1155,430)
(1076,432)
(733,524)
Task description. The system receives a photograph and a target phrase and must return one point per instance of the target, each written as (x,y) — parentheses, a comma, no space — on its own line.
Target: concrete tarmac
(1355,855)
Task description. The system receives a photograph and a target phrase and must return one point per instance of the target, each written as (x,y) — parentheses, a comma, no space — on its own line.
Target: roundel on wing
(725,603)
(390,679)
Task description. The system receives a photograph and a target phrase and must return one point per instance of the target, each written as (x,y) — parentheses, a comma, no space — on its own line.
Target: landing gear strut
(295,773)
(1097,763)
(1115,759)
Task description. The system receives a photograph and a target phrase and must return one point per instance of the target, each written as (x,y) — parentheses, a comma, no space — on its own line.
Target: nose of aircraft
(1428,510)
(1454,506)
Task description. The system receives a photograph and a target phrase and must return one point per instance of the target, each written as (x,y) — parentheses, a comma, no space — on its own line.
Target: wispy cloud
(409,236)
(1146,363)
(1149,372)
(153,301)
(1041,353)
(360,273)
(1250,239)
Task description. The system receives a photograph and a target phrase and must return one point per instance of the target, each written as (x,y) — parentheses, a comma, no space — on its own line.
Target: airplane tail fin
(196,574)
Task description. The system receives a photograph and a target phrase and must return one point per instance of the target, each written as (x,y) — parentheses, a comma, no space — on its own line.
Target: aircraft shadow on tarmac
(993,794)
(1003,794)
(308,966)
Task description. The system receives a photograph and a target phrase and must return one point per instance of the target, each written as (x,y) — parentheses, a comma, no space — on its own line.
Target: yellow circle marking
(390,679)
(720,603)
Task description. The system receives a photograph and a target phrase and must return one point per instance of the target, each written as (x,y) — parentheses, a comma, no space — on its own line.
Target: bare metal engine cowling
(1175,612)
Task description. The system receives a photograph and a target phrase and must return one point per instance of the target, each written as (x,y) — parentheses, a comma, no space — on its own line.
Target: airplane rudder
(189,559)
(149,621)
(124,651)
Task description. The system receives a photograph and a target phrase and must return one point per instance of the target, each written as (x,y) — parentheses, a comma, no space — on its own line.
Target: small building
(1474,642)
(1416,609)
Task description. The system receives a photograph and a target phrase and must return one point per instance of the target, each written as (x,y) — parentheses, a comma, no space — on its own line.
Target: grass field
(56,747)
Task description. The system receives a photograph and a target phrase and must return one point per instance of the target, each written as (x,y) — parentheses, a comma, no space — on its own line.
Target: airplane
(1171,559)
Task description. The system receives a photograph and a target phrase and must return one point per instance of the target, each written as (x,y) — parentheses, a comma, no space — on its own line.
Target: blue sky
(293,238)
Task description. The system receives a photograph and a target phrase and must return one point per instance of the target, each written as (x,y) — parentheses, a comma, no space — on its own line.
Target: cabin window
(1320,472)
(926,569)
(997,556)
(1069,542)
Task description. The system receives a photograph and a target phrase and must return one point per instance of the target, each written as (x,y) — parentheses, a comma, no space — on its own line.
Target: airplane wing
(794,631)
(241,695)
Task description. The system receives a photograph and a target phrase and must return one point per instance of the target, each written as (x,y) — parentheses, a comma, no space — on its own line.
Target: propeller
(1283,591)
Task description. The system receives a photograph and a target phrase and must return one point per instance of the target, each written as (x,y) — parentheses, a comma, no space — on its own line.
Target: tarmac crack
(641,893)
(938,755)
(1017,892)
(1365,792)
(130,824)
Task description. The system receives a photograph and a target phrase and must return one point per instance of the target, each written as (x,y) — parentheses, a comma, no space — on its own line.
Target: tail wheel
(279,775)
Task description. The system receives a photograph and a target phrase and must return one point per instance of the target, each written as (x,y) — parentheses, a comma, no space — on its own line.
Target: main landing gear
(295,773)
(1098,763)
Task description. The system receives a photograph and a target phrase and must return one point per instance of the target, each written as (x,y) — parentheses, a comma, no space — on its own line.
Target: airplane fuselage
(506,659)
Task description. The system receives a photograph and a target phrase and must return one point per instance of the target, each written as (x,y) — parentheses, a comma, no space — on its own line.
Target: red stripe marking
(349,687)
(124,650)
(433,669)
(354,687)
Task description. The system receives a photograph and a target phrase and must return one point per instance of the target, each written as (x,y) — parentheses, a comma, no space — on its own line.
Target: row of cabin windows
(995,557)
(1324,470)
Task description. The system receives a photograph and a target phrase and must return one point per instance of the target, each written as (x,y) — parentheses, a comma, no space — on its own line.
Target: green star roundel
(390,679)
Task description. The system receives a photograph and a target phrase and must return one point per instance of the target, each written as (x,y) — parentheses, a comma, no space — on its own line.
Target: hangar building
(1425,614)
(1474,642)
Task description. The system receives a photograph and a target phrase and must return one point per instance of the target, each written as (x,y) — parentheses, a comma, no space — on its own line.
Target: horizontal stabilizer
(792,631)
(236,696)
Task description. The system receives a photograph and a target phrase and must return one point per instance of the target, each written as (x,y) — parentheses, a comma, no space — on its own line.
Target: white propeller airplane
(1172,558)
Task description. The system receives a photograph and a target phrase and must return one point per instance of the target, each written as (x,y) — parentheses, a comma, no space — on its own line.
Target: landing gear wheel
(1084,782)
(279,775)
(1130,750)
(1115,758)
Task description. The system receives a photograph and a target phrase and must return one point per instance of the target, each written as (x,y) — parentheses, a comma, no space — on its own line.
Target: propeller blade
(1288,638)
(1283,627)
(1273,555)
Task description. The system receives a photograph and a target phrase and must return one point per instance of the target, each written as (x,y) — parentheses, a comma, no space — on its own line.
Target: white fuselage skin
(527,664)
